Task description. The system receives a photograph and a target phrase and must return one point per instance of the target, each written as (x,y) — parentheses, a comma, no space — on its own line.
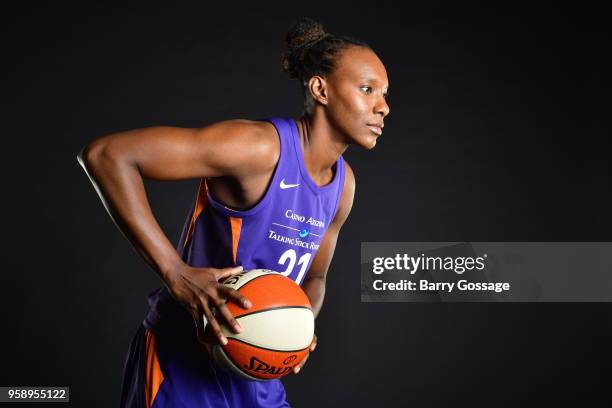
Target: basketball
(276,331)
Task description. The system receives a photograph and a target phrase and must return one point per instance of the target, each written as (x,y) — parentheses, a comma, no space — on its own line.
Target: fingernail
(238,328)
(297,370)
(247,304)
(223,340)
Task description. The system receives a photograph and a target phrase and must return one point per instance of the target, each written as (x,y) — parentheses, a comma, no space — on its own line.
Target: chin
(370,142)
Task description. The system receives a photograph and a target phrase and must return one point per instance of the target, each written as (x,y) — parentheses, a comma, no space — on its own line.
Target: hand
(298,367)
(200,292)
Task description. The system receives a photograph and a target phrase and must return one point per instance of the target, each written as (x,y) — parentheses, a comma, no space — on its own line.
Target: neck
(322,146)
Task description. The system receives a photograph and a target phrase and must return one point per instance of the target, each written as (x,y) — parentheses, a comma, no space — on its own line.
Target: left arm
(314,283)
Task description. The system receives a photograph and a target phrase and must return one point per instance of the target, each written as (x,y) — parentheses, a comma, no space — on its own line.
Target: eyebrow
(372,80)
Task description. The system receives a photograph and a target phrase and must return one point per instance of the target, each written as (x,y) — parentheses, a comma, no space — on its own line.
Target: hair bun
(304,32)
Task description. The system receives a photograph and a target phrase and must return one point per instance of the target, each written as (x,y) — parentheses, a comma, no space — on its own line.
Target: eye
(366,89)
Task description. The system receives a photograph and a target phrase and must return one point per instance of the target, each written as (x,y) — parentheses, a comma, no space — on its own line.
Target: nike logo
(285,186)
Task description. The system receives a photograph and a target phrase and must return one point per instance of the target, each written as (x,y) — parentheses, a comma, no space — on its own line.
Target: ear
(317,86)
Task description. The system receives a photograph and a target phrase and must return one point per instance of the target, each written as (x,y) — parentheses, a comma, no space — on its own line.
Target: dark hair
(311,51)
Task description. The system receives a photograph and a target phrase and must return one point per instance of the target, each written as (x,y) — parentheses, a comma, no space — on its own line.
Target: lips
(376,128)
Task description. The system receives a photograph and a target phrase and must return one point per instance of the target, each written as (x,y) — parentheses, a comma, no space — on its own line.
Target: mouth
(377,129)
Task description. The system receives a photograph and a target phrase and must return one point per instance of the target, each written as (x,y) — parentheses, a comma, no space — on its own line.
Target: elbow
(90,154)
(81,156)
(97,156)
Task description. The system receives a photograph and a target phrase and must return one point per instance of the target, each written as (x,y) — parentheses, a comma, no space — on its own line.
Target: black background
(498,132)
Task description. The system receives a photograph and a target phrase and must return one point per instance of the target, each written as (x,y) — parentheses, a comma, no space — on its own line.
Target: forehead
(360,64)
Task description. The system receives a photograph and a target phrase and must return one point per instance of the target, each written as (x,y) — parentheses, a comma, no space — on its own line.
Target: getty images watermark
(486,271)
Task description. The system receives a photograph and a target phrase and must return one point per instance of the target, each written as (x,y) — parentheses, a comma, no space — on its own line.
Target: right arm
(116,165)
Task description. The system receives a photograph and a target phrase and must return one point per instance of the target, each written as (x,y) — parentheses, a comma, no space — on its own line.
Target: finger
(228,317)
(208,339)
(313,345)
(200,322)
(235,296)
(227,272)
(214,325)
(298,367)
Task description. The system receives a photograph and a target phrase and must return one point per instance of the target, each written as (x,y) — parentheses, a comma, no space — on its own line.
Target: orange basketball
(276,331)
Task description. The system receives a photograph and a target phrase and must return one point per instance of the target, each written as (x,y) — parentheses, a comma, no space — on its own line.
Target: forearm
(121,189)
(314,288)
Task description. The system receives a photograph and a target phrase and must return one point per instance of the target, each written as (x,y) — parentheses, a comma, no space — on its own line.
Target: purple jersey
(282,232)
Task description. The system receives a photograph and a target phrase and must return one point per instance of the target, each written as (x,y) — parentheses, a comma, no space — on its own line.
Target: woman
(262,182)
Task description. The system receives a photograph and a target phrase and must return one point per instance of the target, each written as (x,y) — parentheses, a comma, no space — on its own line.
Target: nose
(382,108)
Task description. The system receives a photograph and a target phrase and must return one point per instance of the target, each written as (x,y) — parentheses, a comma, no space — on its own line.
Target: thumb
(313,345)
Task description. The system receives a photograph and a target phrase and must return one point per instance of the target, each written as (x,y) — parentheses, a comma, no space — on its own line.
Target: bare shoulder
(244,146)
(243,130)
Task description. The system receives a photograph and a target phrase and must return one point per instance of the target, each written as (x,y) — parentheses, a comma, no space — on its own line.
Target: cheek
(350,109)
(357,105)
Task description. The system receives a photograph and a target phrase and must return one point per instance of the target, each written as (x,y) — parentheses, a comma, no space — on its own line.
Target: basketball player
(264,186)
